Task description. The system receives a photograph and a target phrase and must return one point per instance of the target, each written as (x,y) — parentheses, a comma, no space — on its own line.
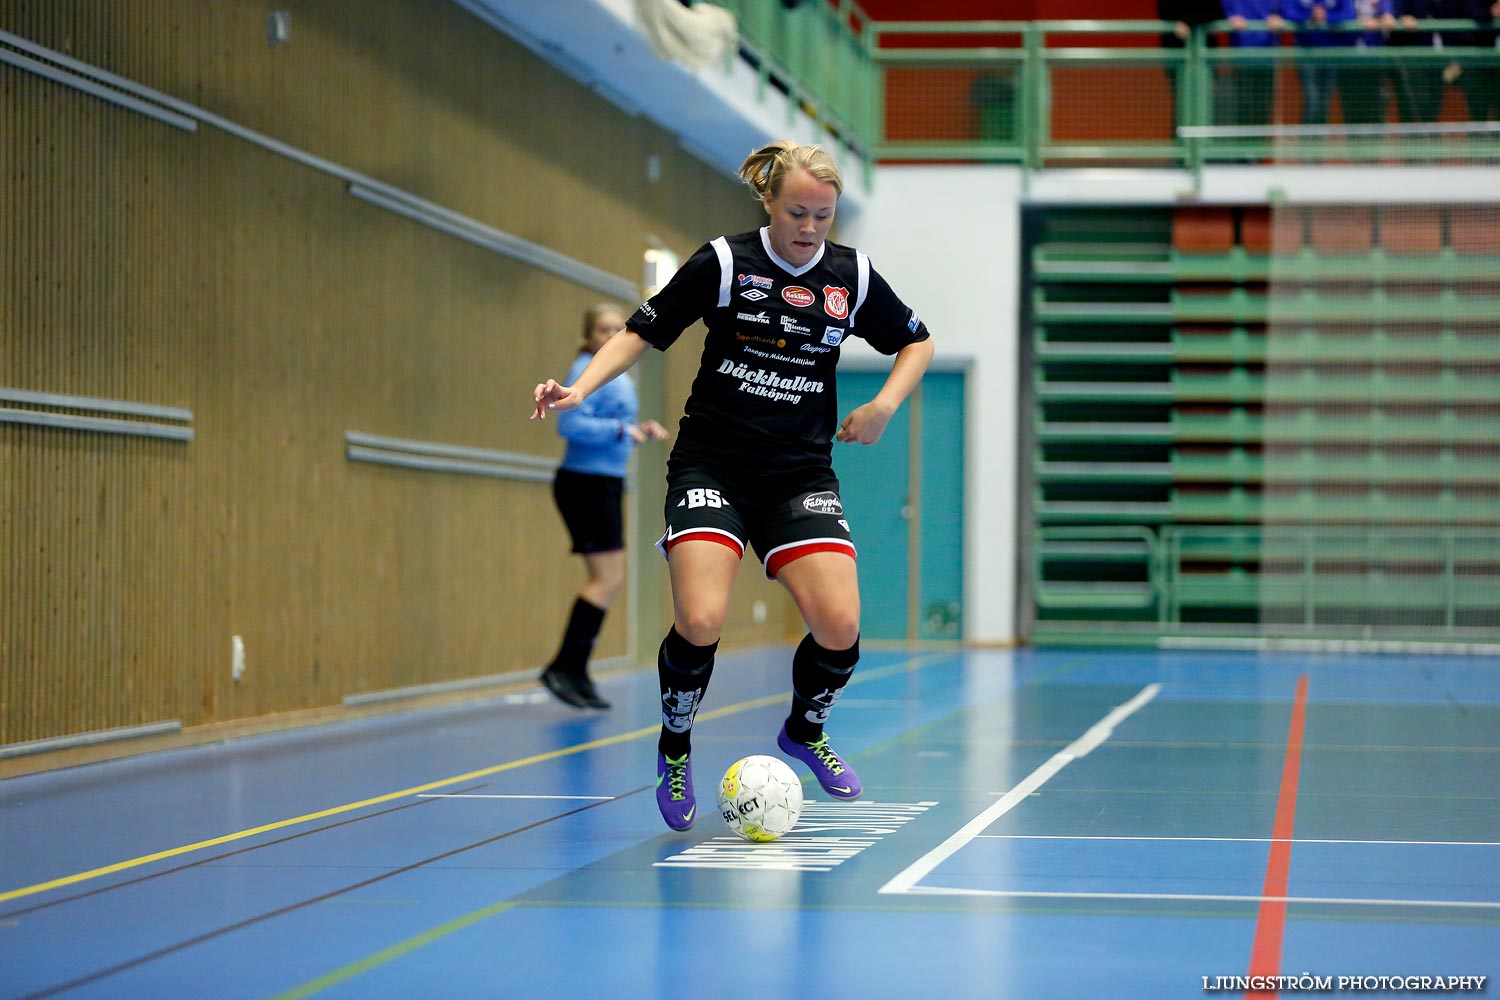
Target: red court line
(1265,954)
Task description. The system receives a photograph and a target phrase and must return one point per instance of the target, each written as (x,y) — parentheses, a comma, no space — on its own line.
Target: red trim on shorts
(707,536)
(793,552)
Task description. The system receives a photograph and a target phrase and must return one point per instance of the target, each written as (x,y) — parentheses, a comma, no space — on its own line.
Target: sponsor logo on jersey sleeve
(754,295)
(648,311)
(914,322)
(796,295)
(836,301)
(833,335)
(756,281)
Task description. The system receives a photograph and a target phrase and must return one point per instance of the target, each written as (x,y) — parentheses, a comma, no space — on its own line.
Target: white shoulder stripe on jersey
(864,284)
(726,269)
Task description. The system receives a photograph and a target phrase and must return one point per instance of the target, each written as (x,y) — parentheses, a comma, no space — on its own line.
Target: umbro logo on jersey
(833,335)
(756,280)
(759,317)
(836,301)
(796,295)
(754,295)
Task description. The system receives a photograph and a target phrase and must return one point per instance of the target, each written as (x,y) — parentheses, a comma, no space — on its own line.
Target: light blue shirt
(599,442)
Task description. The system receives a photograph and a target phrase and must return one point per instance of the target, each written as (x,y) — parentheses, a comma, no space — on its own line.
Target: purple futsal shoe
(832,771)
(674,791)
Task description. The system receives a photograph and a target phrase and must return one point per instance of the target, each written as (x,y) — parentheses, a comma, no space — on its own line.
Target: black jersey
(765,389)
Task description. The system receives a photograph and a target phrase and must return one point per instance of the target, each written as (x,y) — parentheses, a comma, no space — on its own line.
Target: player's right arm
(615,357)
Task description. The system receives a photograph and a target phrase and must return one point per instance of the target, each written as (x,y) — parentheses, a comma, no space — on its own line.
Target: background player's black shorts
(593,509)
(783,517)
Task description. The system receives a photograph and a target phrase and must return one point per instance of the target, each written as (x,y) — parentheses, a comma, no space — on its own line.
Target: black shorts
(782,517)
(592,508)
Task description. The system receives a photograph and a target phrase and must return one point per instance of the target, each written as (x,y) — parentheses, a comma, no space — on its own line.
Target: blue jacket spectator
(1252,10)
(1319,80)
(1247,91)
(598,432)
(1301,14)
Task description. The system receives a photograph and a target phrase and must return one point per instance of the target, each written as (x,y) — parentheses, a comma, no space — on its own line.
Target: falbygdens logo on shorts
(826,502)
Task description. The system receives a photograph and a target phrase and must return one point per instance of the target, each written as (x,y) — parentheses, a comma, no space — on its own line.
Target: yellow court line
(229,838)
(394,952)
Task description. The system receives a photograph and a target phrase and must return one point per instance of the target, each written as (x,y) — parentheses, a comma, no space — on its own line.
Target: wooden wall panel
(201,271)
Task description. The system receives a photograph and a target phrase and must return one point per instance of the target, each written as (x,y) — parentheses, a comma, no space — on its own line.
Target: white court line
(1096,734)
(586,798)
(927,890)
(1249,840)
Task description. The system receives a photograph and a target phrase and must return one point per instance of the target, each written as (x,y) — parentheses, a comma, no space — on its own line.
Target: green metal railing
(1040,93)
(1419,583)
(821,55)
(1046,92)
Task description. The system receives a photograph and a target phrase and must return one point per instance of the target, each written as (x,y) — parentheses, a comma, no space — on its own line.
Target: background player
(589,490)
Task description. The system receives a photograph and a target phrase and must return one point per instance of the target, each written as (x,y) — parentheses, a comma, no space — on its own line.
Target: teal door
(910,540)
(940,598)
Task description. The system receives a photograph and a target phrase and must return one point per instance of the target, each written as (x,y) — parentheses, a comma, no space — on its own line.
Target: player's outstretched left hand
(866,424)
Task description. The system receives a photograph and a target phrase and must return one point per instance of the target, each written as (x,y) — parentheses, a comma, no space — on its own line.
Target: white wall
(948,241)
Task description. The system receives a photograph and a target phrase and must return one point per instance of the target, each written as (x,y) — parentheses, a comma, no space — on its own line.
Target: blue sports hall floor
(1036,823)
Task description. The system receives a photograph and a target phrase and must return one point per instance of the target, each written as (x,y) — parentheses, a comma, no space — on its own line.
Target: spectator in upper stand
(1481,81)
(1251,87)
(1419,95)
(1186,16)
(1362,96)
(1318,80)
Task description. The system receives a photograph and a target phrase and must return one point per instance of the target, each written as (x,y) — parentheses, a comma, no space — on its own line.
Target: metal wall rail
(52,409)
(28,55)
(432,456)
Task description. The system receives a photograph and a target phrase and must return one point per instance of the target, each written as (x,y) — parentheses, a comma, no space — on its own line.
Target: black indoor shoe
(590,693)
(568,689)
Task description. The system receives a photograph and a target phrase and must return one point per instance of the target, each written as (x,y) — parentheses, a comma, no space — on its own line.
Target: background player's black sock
(572,657)
(683,671)
(818,678)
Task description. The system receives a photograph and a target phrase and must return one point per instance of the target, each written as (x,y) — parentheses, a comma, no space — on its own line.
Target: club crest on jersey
(833,335)
(756,280)
(826,502)
(796,295)
(836,301)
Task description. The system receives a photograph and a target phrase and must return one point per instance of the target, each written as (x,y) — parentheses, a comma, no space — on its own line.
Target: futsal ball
(760,798)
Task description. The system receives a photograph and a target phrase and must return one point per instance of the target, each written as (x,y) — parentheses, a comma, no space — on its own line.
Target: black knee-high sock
(578,639)
(683,671)
(818,678)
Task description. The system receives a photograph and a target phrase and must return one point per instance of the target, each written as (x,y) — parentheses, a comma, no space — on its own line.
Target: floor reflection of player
(753,460)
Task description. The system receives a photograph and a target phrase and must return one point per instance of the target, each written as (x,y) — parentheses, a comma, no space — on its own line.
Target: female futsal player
(589,490)
(753,459)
